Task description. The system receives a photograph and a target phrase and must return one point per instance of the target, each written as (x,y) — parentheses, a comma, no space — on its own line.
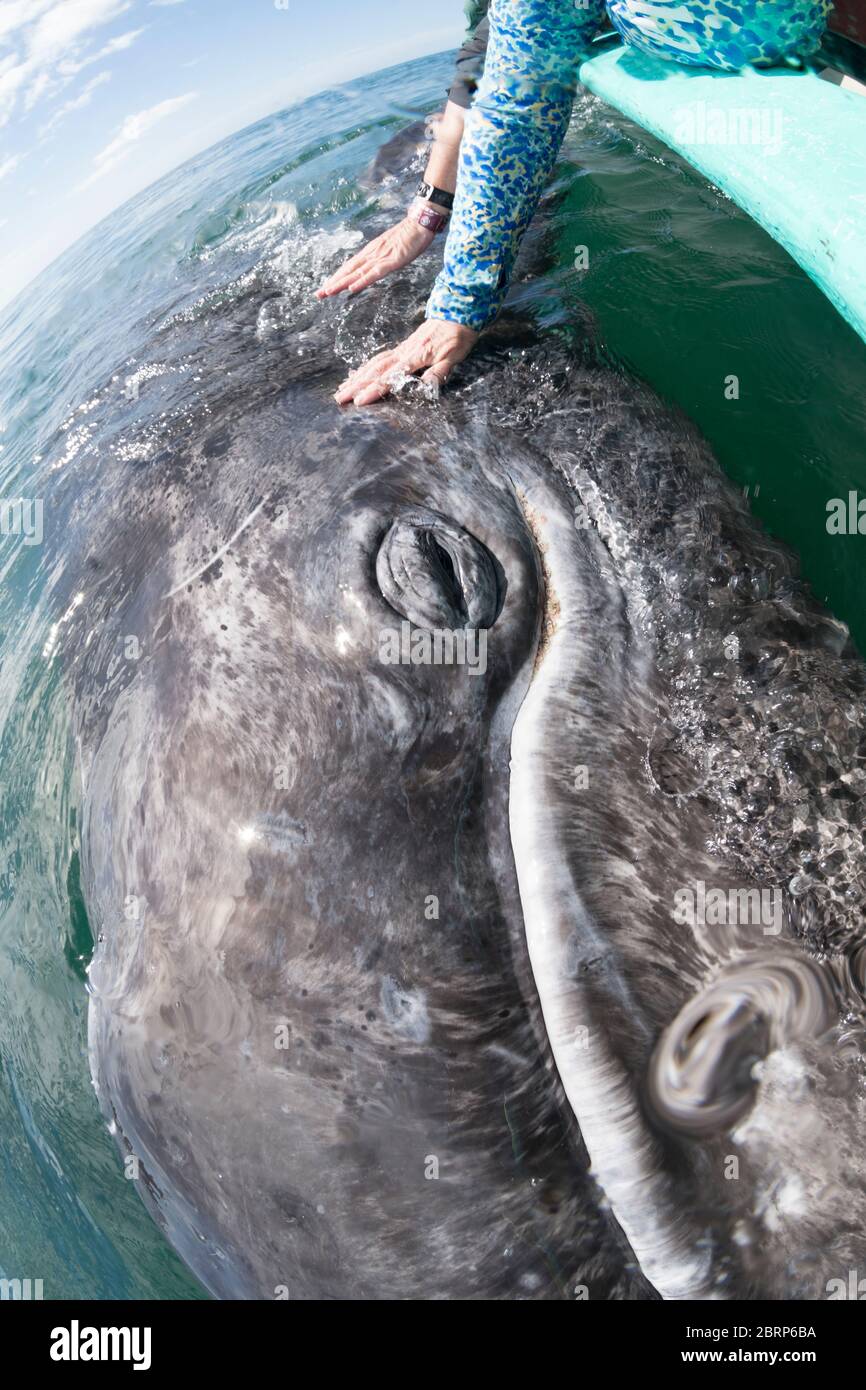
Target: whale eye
(437,575)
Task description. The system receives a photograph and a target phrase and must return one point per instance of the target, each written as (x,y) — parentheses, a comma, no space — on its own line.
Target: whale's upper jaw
(576,717)
(576,785)
(700,1060)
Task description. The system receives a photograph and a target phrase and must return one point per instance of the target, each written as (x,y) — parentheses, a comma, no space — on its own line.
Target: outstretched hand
(395,248)
(434,349)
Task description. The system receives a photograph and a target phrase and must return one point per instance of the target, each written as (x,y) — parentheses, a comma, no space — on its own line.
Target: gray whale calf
(413,980)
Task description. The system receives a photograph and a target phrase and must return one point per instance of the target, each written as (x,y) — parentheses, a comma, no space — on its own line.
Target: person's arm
(441,168)
(512,138)
(402,243)
(510,142)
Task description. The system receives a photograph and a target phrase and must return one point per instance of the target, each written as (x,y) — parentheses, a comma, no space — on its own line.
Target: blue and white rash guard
(522,108)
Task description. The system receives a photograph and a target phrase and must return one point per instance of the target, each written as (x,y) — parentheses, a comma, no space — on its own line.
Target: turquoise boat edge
(808,194)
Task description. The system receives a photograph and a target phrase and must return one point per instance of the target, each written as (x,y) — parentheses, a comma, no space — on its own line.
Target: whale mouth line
(625,1154)
(550,608)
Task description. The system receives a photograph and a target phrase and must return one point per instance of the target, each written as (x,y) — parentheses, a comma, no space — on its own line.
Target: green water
(687,291)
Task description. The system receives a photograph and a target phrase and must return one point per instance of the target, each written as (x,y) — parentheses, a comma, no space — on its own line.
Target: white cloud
(8,164)
(132,130)
(119,43)
(161,3)
(84,98)
(66,23)
(12,78)
(69,67)
(49,42)
(38,87)
(17,14)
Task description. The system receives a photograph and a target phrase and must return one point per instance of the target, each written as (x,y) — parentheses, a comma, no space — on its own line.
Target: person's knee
(721,33)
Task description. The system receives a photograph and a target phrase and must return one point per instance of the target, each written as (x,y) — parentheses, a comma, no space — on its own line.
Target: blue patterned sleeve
(511,139)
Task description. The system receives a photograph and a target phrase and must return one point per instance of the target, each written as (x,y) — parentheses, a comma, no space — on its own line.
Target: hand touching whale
(434,349)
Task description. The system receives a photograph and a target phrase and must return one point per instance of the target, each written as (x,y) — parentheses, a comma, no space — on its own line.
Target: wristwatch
(426,216)
(431,194)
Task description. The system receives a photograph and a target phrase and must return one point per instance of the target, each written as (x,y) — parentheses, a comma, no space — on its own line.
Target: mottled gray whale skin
(387,954)
(281,806)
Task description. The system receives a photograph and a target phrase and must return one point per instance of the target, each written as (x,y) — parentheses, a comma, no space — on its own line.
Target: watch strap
(431,194)
(427,217)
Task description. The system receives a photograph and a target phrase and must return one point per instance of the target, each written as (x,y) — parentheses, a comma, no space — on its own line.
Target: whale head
(471,833)
(313,1021)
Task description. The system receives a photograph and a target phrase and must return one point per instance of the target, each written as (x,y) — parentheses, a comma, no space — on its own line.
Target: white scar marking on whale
(405,1010)
(505,1054)
(191,578)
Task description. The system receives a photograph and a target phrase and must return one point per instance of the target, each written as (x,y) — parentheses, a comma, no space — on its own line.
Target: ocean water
(114,347)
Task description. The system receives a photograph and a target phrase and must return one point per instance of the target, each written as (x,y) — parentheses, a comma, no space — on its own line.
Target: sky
(98,98)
